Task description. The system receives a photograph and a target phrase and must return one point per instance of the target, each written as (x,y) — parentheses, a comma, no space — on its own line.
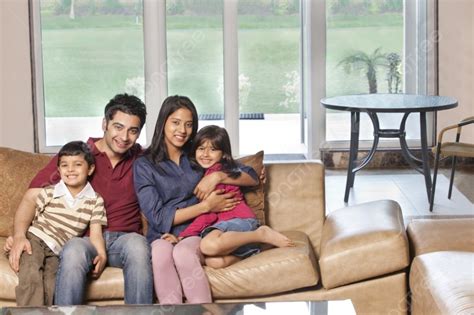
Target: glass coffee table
(257,308)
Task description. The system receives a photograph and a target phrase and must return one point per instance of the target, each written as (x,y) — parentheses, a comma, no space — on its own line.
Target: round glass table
(372,104)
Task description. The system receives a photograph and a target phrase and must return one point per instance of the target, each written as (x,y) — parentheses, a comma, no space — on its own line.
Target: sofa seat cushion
(271,271)
(443,283)
(8,278)
(433,235)
(362,242)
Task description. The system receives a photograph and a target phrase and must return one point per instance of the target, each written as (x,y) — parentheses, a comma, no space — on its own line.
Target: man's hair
(128,104)
(74,148)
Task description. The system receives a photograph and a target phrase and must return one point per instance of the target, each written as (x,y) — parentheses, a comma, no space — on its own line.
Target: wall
(456,61)
(456,68)
(16,110)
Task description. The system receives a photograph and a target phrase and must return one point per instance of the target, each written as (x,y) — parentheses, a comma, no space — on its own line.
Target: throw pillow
(254,196)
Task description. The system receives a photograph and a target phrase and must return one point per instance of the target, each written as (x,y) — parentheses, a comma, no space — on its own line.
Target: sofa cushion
(254,196)
(8,278)
(271,271)
(17,168)
(432,235)
(443,283)
(362,242)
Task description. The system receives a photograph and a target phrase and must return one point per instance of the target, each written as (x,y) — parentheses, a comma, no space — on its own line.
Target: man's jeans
(129,251)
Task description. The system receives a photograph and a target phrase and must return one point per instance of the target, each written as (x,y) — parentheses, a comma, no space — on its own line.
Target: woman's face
(178,129)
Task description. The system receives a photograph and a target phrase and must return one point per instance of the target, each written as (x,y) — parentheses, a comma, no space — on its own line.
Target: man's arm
(98,242)
(23,217)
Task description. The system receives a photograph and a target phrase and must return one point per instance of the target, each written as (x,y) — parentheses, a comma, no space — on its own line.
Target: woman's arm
(248,177)
(163,216)
(98,242)
(216,202)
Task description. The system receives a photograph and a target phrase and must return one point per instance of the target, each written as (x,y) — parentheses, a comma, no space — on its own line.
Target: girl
(231,235)
(165,185)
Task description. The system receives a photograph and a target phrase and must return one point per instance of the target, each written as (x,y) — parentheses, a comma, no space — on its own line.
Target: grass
(88,60)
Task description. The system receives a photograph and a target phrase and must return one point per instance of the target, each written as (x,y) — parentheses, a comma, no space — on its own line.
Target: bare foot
(270,236)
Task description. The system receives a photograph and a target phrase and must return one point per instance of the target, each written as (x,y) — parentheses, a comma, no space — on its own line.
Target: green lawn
(88,60)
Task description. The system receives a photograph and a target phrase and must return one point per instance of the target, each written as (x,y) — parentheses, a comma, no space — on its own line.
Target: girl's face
(178,129)
(207,155)
(74,170)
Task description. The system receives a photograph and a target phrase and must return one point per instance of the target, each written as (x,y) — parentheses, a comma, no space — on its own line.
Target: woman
(168,189)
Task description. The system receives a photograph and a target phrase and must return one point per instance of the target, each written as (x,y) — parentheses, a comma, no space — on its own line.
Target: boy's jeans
(129,251)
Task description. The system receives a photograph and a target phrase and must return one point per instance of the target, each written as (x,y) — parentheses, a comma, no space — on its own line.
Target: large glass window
(91,50)
(269,35)
(194,51)
(365,43)
(87,51)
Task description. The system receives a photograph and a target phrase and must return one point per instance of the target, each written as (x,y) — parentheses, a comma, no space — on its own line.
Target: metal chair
(451,149)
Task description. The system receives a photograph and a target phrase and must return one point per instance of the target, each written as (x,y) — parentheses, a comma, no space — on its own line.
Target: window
(85,52)
(258,68)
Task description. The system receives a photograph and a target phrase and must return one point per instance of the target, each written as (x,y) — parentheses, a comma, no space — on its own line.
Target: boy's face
(74,170)
(207,155)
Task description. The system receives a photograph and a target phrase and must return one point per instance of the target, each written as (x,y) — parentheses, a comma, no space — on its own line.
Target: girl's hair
(219,139)
(74,148)
(157,152)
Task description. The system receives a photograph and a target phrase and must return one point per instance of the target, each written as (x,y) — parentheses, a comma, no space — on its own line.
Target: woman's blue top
(162,189)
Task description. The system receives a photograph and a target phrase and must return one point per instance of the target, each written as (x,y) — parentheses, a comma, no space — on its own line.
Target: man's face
(121,132)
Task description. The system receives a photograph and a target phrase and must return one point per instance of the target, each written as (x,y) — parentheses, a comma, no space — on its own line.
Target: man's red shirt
(114,184)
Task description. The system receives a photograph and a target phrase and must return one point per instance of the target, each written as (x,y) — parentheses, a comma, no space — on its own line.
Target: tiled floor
(406,187)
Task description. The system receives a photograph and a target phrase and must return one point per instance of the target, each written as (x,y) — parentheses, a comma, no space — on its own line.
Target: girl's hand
(219,201)
(170,238)
(207,185)
(99,263)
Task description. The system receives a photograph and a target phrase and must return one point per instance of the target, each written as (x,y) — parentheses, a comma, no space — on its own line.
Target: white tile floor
(407,189)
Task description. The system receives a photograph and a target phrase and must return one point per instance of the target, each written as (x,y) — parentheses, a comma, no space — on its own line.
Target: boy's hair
(127,104)
(219,139)
(74,148)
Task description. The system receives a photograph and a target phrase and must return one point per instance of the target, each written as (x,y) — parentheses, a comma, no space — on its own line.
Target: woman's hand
(207,185)
(219,201)
(170,238)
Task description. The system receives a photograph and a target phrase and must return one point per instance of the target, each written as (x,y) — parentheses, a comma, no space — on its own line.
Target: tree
(361,61)
(394,74)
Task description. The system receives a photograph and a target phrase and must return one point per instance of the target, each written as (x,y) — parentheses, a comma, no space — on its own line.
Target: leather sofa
(442,272)
(358,253)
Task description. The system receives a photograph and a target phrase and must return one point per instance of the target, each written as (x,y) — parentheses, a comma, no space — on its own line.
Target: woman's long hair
(219,139)
(157,151)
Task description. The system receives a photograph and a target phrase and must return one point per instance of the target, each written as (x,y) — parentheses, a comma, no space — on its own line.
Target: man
(126,248)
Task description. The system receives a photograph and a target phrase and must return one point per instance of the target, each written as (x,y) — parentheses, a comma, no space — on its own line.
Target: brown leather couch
(358,253)
(442,272)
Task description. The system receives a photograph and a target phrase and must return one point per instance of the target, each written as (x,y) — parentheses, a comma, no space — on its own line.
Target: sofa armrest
(433,235)
(361,242)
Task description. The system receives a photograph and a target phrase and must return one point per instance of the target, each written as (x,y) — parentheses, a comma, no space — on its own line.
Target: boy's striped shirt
(56,223)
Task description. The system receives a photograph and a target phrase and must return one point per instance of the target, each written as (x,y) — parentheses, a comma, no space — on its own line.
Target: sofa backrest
(17,168)
(294,198)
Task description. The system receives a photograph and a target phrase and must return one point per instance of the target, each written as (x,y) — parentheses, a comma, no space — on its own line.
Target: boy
(63,211)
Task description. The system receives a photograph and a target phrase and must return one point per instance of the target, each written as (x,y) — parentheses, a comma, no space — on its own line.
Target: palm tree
(361,61)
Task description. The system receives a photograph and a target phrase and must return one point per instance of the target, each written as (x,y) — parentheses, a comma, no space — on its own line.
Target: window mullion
(231,73)
(156,70)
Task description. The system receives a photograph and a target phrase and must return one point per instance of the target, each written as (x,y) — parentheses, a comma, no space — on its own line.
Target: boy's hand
(20,244)
(170,238)
(8,244)
(99,262)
